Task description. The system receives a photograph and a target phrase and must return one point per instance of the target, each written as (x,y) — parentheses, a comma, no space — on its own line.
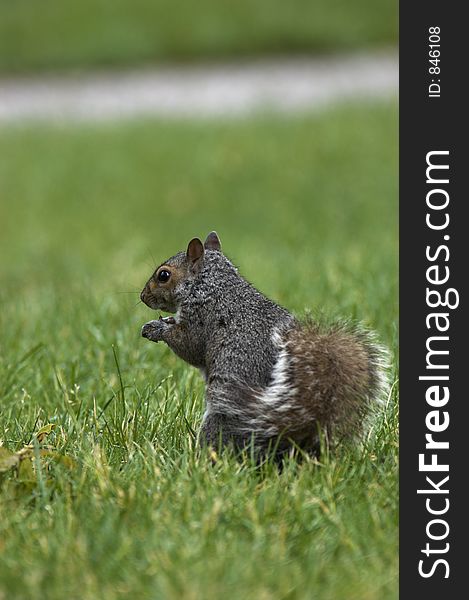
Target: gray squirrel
(271,380)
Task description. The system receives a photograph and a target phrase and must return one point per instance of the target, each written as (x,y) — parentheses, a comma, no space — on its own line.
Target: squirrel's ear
(212,242)
(195,252)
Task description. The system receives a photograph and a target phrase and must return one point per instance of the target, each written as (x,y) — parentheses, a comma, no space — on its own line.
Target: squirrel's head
(169,283)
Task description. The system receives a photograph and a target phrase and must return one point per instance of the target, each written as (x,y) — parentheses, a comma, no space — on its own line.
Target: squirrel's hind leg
(219,430)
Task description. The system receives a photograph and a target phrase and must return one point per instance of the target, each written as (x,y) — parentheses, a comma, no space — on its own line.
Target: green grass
(53,34)
(306,206)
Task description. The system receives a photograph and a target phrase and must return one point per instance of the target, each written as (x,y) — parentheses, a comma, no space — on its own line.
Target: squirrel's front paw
(154,330)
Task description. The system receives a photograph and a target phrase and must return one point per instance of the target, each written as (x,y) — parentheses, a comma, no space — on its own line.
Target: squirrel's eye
(163,276)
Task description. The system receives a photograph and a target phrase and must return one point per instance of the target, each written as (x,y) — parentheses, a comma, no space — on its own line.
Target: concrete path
(285,85)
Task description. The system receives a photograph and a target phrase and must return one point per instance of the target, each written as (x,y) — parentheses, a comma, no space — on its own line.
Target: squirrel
(271,380)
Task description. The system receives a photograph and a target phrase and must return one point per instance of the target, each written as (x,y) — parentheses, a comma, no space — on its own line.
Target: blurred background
(127,127)
(64,34)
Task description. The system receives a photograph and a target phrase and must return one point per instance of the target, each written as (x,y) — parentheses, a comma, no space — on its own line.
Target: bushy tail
(325,379)
(339,373)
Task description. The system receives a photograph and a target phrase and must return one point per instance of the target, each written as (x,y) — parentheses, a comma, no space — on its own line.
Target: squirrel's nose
(142,296)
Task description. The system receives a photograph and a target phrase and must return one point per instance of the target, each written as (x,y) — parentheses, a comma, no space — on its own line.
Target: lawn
(65,34)
(307,207)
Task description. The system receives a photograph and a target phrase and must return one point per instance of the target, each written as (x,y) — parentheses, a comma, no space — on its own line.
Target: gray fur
(269,378)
